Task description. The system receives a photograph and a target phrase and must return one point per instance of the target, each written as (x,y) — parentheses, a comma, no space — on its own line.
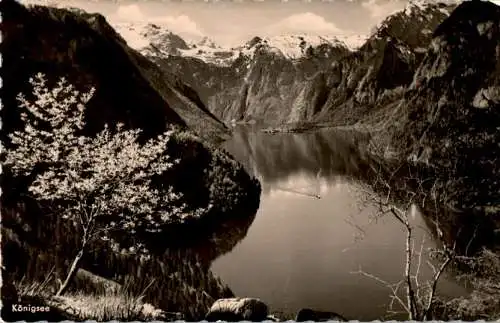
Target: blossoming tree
(101,183)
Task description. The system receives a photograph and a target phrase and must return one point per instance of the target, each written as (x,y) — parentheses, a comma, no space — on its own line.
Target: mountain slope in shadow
(86,50)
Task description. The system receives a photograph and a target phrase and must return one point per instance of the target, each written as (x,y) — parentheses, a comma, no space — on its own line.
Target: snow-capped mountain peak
(420,6)
(208,42)
(414,25)
(151,38)
(158,41)
(292,46)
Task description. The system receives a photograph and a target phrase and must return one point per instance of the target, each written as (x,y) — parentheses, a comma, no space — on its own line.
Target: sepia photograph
(250,160)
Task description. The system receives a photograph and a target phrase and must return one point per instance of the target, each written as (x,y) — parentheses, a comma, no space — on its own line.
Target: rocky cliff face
(263,83)
(453,107)
(377,74)
(301,78)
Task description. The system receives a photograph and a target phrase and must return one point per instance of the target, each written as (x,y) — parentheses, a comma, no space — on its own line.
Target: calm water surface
(313,229)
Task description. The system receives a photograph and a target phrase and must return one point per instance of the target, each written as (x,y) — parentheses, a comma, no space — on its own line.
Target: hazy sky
(233,22)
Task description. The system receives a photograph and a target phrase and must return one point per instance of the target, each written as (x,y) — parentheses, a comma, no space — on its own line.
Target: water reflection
(317,158)
(213,239)
(301,250)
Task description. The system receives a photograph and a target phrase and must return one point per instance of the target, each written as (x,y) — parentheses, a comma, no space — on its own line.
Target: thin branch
(361,272)
(396,297)
(419,264)
(394,287)
(434,287)
(471,239)
(394,211)
(434,270)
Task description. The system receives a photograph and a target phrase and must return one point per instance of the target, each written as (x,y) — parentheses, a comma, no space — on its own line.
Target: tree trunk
(71,272)
(87,233)
(409,292)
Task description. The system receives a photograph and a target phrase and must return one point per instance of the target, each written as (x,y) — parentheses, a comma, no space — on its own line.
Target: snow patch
(208,42)
(484,27)
(444,11)
(130,34)
(487,97)
(150,38)
(157,40)
(420,4)
(295,46)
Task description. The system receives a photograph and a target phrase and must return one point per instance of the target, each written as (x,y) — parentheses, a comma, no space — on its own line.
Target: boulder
(307,314)
(272,318)
(238,309)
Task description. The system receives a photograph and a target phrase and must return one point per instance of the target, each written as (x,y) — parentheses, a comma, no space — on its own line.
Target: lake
(314,229)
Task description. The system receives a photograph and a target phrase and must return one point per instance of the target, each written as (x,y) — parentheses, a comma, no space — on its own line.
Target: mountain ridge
(156,40)
(320,80)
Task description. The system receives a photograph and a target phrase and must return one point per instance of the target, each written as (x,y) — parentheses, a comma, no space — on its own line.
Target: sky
(233,22)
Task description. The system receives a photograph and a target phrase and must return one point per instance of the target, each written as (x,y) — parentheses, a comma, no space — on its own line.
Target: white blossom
(108,174)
